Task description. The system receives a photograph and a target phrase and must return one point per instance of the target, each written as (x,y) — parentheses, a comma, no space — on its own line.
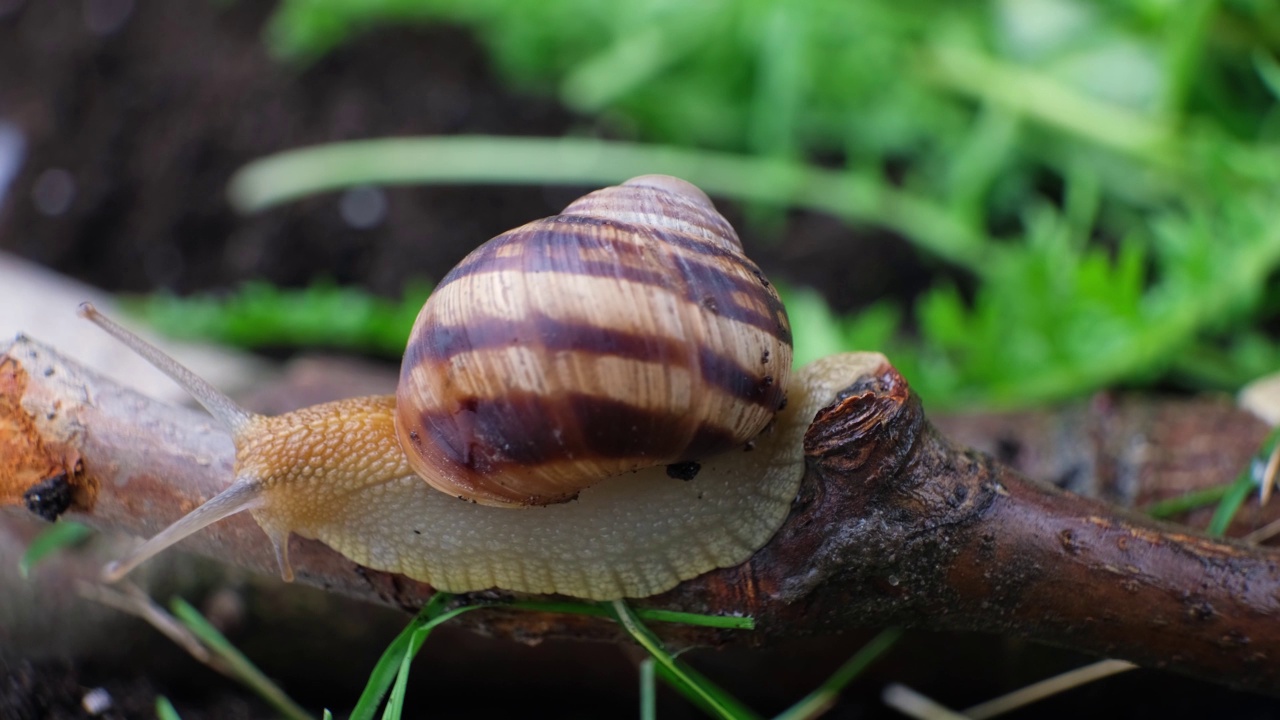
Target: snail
(594,400)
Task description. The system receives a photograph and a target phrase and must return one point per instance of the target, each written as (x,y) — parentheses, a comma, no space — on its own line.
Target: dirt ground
(148,122)
(133,123)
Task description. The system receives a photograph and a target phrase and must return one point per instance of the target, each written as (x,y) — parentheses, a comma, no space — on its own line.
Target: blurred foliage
(1107,172)
(261,315)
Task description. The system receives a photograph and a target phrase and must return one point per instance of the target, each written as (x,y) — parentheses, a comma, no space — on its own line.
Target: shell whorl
(626,332)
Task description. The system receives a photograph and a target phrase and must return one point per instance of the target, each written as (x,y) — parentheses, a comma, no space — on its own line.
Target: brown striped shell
(629,331)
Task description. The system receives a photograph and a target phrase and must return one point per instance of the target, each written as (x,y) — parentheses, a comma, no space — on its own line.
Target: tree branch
(893,525)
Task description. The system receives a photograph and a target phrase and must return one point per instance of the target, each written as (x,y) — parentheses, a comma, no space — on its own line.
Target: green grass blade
(826,695)
(694,685)
(648,691)
(395,701)
(689,682)
(383,675)
(685,618)
(1042,97)
(647,615)
(239,665)
(1237,492)
(387,668)
(165,709)
(1174,506)
(853,195)
(391,670)
(1231,503)
(388,672)
(62,534)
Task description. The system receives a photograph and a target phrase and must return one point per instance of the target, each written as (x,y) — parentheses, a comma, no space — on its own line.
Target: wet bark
(893,525)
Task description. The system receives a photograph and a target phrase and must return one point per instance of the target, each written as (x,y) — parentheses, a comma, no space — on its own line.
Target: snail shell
(626,332)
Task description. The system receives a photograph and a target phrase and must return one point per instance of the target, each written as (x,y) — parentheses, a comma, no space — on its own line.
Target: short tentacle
(243,494)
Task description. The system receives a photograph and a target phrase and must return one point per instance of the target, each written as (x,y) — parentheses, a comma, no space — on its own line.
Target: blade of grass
(1248,480)
(647,615)
(1046,688)
(1041,97)
(648,691)
(391,669)
(1230,505)
(692,684)
(388,665)
(1174,506)
(858,196)
(826,695)
(395,701)
(165,709)
(1226,511)
(1188,36)
(696,687)
(62,534)
(241,666)
(392,665)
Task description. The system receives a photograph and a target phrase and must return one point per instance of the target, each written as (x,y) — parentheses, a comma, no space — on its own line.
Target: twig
(915,705)
(129,598)
(893,526)
(1046,688)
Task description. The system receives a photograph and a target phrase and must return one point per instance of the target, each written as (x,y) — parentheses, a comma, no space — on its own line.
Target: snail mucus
(600,403)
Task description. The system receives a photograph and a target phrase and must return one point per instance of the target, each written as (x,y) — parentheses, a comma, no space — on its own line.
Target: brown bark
(893,525)
(1126,450)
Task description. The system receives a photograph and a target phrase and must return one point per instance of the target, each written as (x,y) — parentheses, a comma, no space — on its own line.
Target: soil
(147,123)
(134,116)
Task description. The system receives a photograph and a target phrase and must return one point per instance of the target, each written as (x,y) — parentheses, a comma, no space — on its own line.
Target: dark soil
(132,131)
(148,123)
(56,690)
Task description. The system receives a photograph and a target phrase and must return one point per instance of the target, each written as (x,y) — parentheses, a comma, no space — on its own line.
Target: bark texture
(893,525)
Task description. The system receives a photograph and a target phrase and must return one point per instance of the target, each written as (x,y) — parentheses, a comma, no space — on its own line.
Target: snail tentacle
(221,407)
(243,494)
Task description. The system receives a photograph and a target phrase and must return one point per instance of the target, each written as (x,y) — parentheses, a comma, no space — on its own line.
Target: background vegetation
(1084,189)
(1093,182)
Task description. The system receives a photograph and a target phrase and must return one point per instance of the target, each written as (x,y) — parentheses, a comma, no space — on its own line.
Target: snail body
(627,338)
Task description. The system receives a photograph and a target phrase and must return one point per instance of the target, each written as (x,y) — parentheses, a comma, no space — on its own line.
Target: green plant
(1103,172)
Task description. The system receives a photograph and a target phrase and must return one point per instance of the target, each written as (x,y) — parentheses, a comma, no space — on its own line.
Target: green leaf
(60,535)
(825,696)
(689,682)
(1248,481)
(392,669)
(165,709)
(240,666)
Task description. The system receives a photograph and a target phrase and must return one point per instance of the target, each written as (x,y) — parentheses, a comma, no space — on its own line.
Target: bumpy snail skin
(636,535)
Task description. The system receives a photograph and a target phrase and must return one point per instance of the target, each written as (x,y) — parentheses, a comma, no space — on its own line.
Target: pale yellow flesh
(630,536)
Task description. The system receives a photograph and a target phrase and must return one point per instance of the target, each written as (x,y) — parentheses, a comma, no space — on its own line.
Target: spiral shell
(629,331)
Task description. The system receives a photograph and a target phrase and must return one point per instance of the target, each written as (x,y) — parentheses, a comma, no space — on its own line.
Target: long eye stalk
(218,404)
(243,494)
